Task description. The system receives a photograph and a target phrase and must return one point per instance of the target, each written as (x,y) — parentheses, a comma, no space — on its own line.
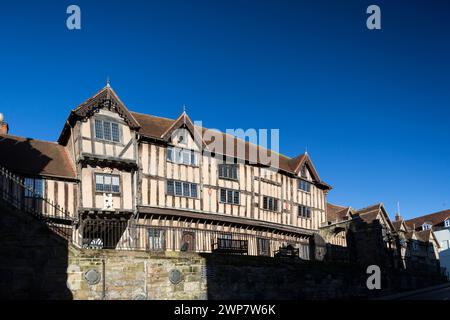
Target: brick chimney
(4,128)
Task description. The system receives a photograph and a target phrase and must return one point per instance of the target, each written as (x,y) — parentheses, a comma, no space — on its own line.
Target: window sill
(178,196)
(100,193)
(229,179)
(233,204)
(184,164)
(120,144)
(267,210)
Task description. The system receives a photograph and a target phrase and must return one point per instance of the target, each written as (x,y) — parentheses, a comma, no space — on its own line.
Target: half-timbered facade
(138,180)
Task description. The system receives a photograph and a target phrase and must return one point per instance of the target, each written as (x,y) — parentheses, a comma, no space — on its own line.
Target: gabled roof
(184,121)
(400,225)
(435,219)
(35,157)
(424,235)
(298,162)
(371,213)
(105,98)
(157,128)
(337,213)
(427,236)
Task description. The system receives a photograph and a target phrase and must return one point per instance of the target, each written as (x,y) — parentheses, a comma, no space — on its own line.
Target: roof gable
(104,99)
(184,121)
(336,213)
(298,162)
(375,212)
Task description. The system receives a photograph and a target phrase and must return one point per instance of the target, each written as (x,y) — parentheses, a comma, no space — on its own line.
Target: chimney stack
(4,128)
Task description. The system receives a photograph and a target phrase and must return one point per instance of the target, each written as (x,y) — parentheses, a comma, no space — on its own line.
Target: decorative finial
(184,108)
(398,216)
(108,82)
(306,150)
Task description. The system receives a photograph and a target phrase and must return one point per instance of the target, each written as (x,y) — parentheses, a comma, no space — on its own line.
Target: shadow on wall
(233,277)
(33,259)
(22,156)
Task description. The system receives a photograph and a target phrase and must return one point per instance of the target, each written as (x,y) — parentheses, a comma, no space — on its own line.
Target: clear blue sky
(371,106)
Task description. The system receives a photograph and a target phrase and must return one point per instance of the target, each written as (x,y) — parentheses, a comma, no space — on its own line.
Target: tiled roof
(397,225)
(369,214)
(155,127)
(435,219)
(424,235)
(336,213)
(35,157)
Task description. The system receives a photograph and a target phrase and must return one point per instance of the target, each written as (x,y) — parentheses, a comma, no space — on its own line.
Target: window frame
(99,126)
(302,186)
(232,170)
(111,184)
(304,212)
(271,204)
(227,192)
(179,188)
(180,156)
(156,239)
(33,194)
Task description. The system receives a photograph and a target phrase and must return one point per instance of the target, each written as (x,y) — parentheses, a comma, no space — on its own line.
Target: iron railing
(14,192)
(125,235)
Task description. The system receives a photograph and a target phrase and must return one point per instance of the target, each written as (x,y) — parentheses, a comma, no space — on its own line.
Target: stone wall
(37,264)
(33,259)
(109,274)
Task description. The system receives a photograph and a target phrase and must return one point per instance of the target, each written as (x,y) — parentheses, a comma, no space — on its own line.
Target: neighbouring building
(128,180)
(437,224)
(368,236)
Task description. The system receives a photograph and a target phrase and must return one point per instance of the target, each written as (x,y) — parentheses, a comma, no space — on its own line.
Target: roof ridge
(29,138)
(219,131)
(430,214)
(148,115)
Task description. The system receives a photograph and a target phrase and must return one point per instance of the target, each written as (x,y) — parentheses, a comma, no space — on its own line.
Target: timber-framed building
(135,181)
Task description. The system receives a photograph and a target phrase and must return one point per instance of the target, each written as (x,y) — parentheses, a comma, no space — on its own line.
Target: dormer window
(447,223)
(426,226)
(107,130)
